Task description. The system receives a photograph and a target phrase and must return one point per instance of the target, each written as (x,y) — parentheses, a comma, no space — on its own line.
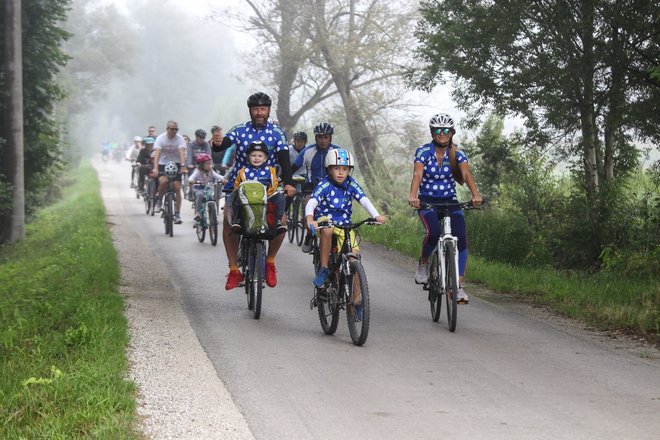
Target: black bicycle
(168,199)
(149,193)
(252,259)
(346,287)
(443,265)
(295,216)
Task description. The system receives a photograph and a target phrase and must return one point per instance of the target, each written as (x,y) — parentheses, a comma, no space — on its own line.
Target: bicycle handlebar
(347,226)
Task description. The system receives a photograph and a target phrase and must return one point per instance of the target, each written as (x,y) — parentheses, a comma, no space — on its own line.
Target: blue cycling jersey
(336,201)
(313,161)
(243,135)
(437,179)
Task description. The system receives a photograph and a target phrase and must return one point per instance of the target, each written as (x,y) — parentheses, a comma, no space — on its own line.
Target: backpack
(252,201)
(455,171)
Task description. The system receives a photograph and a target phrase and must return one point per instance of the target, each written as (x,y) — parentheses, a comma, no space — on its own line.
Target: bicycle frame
(446,240)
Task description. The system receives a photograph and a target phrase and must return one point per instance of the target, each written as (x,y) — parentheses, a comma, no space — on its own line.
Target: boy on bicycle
(259,170)
(202,175)
(332,199)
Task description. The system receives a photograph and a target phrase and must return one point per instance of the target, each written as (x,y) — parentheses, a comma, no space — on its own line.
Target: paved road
(502,375)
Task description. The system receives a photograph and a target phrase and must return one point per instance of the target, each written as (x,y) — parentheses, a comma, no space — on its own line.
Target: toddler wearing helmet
(202,175)
(259,170)
(333,199)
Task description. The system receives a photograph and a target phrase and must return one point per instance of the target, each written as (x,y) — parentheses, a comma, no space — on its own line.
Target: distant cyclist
(131,156)
(299,144)
(145,160)
(170,146)
(196,147)
(199,178)
(434,181)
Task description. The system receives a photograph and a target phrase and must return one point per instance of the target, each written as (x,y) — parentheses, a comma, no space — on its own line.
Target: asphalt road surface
(504,374)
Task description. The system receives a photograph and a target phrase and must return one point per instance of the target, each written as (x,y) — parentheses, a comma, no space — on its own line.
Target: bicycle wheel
(435,294)
(213,223)
(300,221)
(357,315)
(169,215)
(151,196)
(200,229)
(258,278)
(290,224)
(244,261)
(452,287)
(328,312)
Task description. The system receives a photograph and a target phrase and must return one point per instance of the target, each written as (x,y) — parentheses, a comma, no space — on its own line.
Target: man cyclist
(145,161)
(258,128)
(131,156)
(170,146)
(312,161)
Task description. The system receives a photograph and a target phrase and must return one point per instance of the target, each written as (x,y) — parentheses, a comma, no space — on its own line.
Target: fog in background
(167,61)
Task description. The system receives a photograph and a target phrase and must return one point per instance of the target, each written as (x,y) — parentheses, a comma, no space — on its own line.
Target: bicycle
(208,214)
(443,265)
(295,216)
(252,259)
(168,199)
(347,279)
(149,195)
(135,169)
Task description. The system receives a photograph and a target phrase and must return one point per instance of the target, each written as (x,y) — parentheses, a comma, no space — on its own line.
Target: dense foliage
(42,60)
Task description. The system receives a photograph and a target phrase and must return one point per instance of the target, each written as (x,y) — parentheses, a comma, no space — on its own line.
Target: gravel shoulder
(180,395)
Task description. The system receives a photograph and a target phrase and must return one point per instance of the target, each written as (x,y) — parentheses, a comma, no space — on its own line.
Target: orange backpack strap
(455,170)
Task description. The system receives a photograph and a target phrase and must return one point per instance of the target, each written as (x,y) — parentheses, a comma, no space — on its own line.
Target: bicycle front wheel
(258,279)
(170,213)
(244,256)
(357,304)
(452,287)
(213,223)
(201,231)
(151,196)
(300,221)
(435,293)
(290,223)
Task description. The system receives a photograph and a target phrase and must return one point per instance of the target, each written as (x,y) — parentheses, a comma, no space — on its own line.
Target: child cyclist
(202,175)
(332,199)
(259,170)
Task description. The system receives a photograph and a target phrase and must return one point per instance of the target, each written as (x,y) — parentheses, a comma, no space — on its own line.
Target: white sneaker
(422,273)
(461,296)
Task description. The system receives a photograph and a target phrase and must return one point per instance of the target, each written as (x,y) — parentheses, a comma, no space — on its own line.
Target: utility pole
(15,226)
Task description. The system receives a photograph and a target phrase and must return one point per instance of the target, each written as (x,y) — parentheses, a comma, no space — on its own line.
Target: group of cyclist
(258,150)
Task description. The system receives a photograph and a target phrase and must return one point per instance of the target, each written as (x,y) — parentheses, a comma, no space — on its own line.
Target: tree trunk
(589,135)
(616,99)
(15,223)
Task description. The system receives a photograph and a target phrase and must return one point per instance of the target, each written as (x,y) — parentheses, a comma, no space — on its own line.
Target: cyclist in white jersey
(170,146)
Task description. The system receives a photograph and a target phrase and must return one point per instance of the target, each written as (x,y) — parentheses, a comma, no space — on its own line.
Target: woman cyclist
(434,181)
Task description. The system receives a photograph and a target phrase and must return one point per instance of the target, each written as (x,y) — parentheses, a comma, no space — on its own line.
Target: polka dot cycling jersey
(437,180)
(244,134)
(265,174)
(336,201)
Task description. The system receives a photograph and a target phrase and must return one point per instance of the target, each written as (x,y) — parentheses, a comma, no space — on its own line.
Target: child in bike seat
(202,175)
(258,170)
(332,199)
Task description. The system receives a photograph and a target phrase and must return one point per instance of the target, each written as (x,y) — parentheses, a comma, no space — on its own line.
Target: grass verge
(63,335)
(605,300)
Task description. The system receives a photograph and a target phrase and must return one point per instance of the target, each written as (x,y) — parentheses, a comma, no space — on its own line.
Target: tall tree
(569,67)
(15,224)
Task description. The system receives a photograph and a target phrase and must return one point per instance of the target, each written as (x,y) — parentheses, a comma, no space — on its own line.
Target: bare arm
(418,171)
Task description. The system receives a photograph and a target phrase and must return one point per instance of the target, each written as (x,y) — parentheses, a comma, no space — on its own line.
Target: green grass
(63,335)
(605,300)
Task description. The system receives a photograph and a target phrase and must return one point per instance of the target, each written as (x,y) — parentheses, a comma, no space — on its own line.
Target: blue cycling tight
(434,231)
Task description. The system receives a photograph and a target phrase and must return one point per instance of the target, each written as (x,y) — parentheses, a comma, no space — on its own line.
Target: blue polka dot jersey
(244,134)
(264,174)
(437,179)
(336,201)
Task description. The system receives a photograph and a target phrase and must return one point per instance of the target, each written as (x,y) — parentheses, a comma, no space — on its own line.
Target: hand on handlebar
(380,219)
(289,190)
(413,202)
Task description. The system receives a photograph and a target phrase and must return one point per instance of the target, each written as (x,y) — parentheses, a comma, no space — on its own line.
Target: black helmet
(300,135)
(257,146)
(259,99)
(323,128)
(200,132)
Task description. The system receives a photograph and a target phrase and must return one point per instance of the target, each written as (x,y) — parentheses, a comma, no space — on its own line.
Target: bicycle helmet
(257,146)
(148,140)
(137,139)
(339,156)
(324,128)
(300,135)
(202,157)
(441,120)
(171,169)
(259,99)
(200,132)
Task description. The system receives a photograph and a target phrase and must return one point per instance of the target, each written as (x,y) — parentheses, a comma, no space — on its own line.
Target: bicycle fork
(446,240)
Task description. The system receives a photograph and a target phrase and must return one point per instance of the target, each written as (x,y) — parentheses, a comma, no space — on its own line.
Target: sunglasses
(173,129)
(442,131)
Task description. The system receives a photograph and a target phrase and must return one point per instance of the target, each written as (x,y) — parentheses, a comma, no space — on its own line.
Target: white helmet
(137,139)
(170,169)
(441,120)
(339,156)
